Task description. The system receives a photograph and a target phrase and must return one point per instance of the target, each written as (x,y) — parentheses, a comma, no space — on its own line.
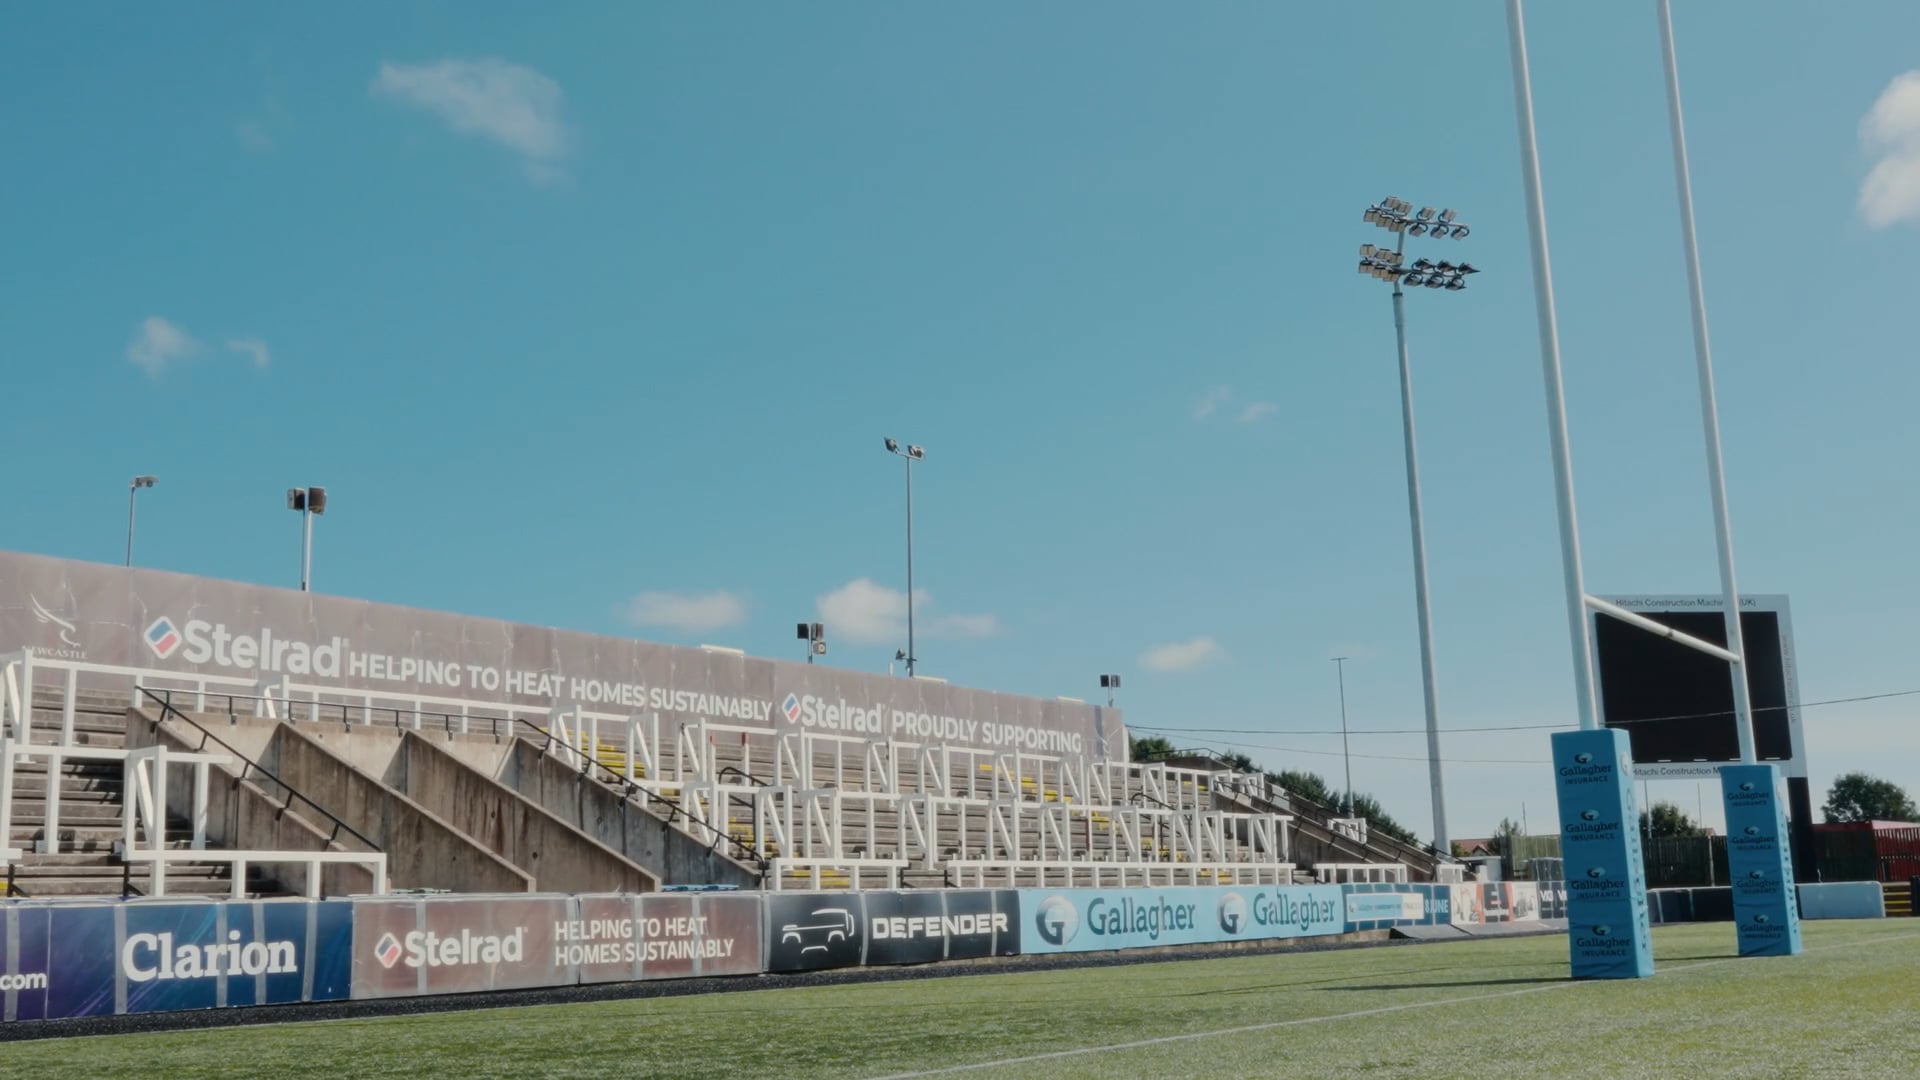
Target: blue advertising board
(59,961)
(1092,920)
(1766,915)
(23,962)
(1608,931)
(1379,905)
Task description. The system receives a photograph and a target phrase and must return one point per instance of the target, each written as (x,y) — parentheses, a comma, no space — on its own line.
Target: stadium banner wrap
(70,610)
(1609,933)
(67,960)
(811,931)
(1092,920)
(405,946)
(1766,911)
(1381,905)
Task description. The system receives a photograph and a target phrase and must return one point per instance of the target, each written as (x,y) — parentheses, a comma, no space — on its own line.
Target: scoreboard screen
(1676,703)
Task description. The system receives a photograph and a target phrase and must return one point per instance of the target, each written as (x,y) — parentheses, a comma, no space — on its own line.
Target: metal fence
(1693,861)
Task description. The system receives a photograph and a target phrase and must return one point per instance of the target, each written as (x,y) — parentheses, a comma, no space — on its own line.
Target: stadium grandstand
(166,735)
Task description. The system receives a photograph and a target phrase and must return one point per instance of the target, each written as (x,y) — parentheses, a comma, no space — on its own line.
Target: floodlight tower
(1397,216)
(911,454)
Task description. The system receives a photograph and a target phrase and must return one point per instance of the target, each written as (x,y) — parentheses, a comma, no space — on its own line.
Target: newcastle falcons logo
(67,629)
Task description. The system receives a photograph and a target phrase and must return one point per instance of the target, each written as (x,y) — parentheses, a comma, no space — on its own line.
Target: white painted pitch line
(1382,1011)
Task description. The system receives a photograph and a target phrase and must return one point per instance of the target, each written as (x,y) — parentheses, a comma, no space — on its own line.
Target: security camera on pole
(133,488)
(815,635)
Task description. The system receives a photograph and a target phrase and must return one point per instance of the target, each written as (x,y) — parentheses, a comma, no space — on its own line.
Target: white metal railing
(144,812)
(1336,873)
(20,673)
(1023,809)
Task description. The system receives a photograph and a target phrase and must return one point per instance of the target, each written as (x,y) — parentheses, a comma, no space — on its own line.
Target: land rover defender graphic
(824,926)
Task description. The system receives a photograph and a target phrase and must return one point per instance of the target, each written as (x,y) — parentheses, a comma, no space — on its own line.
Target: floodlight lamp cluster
(1380,262)
(1439,275)
(1397,215)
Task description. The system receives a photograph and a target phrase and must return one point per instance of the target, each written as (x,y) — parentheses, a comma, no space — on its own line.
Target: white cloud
(1181,655)
(158,343)
(689,612)
(251,347)
(1210,402)
(511,104)
(1256,411)
(864,612)
(1891,130)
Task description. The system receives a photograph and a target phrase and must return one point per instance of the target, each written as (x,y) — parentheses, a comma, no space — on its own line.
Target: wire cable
(1727,713)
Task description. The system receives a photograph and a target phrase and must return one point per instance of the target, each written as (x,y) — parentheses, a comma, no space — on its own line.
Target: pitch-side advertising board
(70,610)
(1092,920)
(814,930)
(98,959)
(450,945)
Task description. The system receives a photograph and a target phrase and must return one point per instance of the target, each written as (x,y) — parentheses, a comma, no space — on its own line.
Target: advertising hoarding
(452,945)
(153,619)
(1092,920)
(811,931)
(1676,703)
(98,959)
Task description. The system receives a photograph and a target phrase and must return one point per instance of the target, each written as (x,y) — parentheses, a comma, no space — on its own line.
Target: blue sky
(597,318)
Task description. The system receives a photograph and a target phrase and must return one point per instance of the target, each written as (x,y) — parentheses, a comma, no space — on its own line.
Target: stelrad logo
(791,707)
(387,951)
(424,948)
(198,641)
(162,638)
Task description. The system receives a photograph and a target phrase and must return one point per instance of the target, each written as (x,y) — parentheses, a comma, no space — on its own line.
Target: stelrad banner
(451,945)
(1091,920)
(98,959)
(77,611)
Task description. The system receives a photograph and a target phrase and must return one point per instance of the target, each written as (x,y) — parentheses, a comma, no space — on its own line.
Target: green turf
(1845,1008)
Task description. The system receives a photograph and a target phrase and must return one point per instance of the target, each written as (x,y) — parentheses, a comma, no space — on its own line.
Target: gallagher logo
(1583,758)
(791,707)
(1746,785)
(162,638)
(1589,815)
(1057,920)
(1233,913)
(387,951)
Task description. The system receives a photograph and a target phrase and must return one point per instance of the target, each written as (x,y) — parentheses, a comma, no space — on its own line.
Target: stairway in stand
(91,809)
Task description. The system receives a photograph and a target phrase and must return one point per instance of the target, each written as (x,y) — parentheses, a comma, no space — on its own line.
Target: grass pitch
(1850,1006)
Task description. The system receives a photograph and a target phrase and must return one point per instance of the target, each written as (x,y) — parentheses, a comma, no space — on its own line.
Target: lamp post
(815,635)
(133,487)
(911,454)
(1340,669)
(1397,216)
(309,501)
(1109,683)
